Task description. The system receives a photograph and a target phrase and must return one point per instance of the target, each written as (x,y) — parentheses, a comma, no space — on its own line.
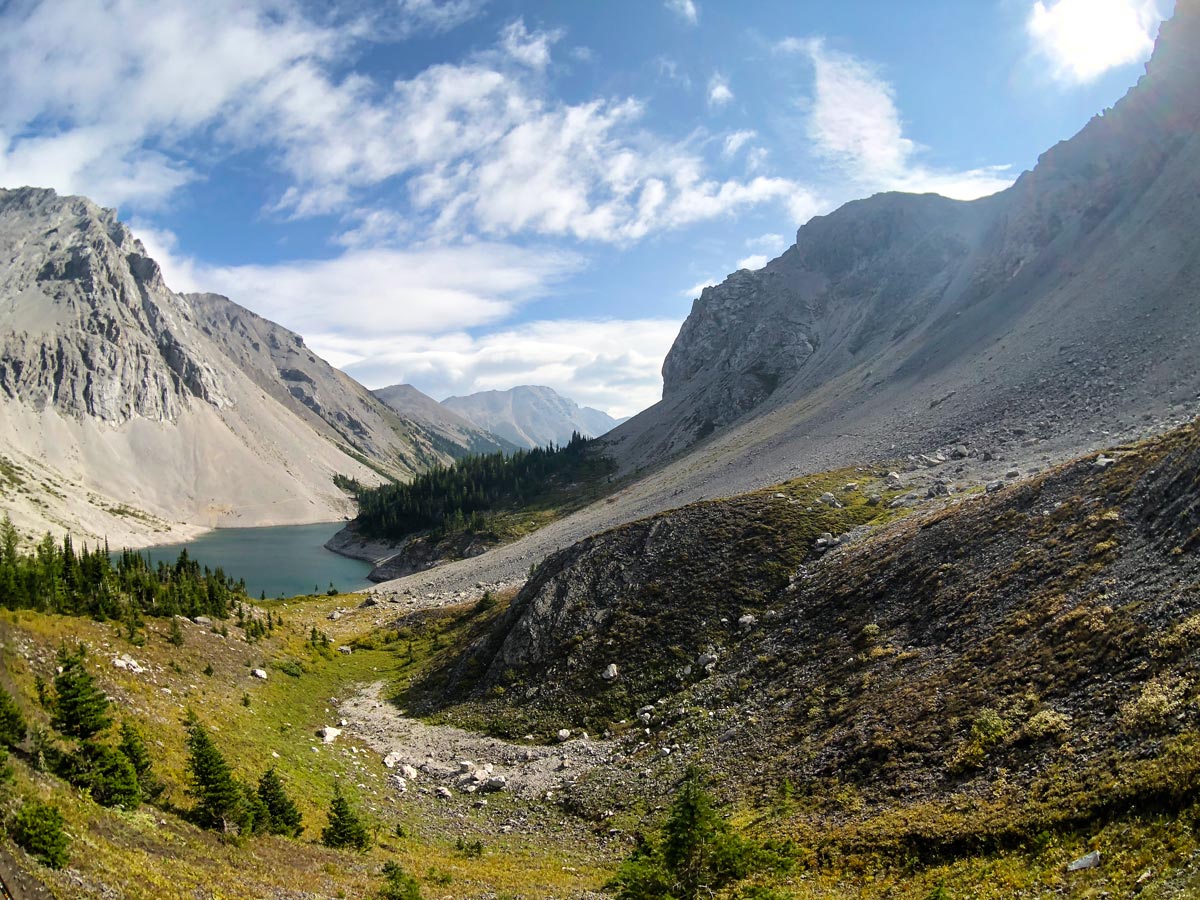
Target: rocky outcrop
(530,416)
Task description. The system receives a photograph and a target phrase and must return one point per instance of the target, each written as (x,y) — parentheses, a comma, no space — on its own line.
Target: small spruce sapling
(345,828)
(12,722)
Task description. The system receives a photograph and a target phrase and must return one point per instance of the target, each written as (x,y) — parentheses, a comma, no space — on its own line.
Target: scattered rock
(610,673)
(346,650)
(960,452)
(328,734)
(748,621)
(564,734)
(409,772)
(401,783)
(1089,861)
(202,620)
(829,500)
(496,783)
(392,760)
(1103,462)
(993,486)
(260,674)
(893,479)
(128,663)
(444,792)
(852,486)
(334,616)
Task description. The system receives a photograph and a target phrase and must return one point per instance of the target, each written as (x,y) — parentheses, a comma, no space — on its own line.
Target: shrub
(37,829)
(12,723)
(345,828)
(1159,698)
(398,884)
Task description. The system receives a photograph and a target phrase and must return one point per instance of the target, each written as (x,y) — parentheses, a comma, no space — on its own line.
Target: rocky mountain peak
(89,327)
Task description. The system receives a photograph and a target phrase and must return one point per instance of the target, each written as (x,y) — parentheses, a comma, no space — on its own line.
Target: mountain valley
(895,593)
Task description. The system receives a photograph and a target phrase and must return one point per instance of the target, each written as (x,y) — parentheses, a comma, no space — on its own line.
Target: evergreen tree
(398,884)
(12,723)
(345,829)
(133,746)
(37,828)
(80,708)
(175,634)
(106,773)
(282,815)
(218,796)
(6,769)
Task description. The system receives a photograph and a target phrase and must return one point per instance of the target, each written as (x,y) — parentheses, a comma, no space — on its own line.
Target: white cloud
(477,147)
(612,365)
(719,92)
(769,243)
(1083,39)
(755,261)
(735,141)
(698,288)
(855,124)
(529,49)
(374,294)
(685,9)
(433,16)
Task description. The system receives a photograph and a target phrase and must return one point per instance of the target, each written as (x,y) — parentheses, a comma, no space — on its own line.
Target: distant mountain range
(531,416)
(458,433)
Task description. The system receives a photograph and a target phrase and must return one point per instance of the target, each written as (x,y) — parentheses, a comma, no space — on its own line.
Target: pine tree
(133,746)
(80,708)
(282,815)
(345,829)
(12,723)
(212,785)
(106,773)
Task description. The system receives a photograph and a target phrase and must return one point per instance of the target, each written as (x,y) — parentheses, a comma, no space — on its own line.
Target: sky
(468,195)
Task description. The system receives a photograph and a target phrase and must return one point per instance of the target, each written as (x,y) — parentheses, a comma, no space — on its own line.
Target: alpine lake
(278,561)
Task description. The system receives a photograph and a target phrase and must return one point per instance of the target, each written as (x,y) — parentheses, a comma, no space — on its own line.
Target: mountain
(1063,303)
(530,416)
(1048,320)
(458,434)
(133,412)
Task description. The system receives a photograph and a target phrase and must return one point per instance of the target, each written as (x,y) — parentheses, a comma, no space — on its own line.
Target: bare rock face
(1070,277)
(86,324)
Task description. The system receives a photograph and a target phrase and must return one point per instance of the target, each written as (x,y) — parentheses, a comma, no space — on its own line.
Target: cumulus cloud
(610,364)
(719,92)
(754,261)
(855,124)
(685,9)
(375,294)
(529,49)
(477,147)
(1083,39)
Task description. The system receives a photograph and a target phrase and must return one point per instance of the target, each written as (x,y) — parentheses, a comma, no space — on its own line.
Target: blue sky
(473,194)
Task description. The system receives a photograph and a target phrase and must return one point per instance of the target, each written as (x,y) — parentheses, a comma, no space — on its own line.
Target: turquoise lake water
(281,561)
